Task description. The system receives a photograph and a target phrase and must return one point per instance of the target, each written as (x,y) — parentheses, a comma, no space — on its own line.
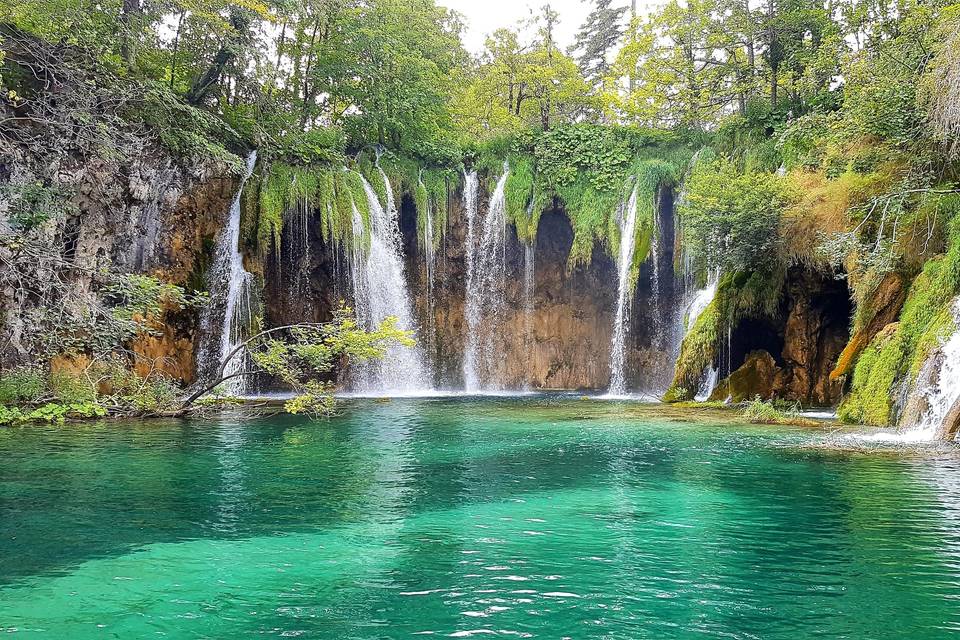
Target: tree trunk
(633,19)
(210,78)
(176,47)
(306,74)
(130,13)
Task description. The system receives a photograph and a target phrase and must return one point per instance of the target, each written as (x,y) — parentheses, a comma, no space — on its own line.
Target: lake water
(541,517)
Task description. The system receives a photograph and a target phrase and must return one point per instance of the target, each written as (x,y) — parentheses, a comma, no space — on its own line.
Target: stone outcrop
(150,214)
(790,356)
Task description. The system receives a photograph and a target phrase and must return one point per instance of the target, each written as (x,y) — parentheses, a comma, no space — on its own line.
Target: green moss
(589,210)
(525,198)
(586,168)
(698,351)
(896,354)
(873,378)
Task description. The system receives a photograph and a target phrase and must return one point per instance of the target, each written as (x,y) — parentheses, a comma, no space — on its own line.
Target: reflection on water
(537,517)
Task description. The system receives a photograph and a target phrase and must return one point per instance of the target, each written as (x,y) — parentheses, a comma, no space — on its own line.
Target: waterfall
(429,259)
(486,276)
(627,221)
(230,307)
(655,307)
(701,299)
(944,390)
(529,283)
(380,290)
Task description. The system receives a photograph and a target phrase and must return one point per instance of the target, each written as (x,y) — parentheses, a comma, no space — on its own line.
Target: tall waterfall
(486,276)
(529,283)
(627,221)
(228,316)
(380,290)
(429,260)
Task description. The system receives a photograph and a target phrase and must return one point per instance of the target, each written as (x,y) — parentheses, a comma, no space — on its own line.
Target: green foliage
(51,412)
(897,353)
(23,385)
(187,131)
(333,192)
(697,352)
(731,219)
(137,301)
(525,198)
(30,205)
(305,357)
(430,196)
(767,412)
(70,388)
(590,169)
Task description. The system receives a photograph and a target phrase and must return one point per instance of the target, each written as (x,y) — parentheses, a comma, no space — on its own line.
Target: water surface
(537,517)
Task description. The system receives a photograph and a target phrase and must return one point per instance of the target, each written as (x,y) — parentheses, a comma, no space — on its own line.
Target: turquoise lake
(536,517)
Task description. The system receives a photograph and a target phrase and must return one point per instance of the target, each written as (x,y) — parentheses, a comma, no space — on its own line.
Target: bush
(731,219)
(71,388)
(23,385)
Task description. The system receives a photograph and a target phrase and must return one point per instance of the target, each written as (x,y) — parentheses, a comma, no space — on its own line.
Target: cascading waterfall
(943,392)
(230,308)
(380,291)
(699,301)
(627,221)
(486,283)
(655,307)
(470,191)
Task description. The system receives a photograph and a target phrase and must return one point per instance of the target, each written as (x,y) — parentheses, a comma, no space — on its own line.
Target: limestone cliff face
(560,341)
(152,214)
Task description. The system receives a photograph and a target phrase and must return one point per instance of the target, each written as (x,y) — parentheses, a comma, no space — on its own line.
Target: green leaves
(730,218)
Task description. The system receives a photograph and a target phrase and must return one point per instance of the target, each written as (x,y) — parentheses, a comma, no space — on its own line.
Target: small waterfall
(655,307)
(699,301)
(486,276)
(230,308)
(529,283)
(627,221)
(944,391)
(708,385)
(470,191)
(380,290)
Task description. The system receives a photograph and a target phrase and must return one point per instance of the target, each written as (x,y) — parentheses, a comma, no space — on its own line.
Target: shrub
(71,388)
(23,385)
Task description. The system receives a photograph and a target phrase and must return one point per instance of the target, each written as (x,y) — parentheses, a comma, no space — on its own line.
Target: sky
(484,16)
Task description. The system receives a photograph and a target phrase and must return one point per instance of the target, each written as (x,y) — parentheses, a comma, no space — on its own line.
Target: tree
(304,355)
(598,35)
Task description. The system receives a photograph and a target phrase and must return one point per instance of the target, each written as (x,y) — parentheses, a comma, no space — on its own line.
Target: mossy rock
(754,378)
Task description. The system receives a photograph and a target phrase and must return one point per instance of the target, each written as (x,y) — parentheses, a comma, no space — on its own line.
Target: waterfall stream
(944,390)
(529,286)
(486,282)
(228,315)
(380,291)
(627,221)
(699,301)
(429,261)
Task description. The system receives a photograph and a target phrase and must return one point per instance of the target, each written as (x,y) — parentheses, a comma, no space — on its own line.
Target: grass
(766,412)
